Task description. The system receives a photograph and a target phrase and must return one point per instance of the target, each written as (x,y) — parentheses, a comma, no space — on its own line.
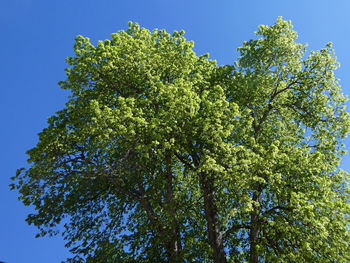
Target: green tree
(161,155)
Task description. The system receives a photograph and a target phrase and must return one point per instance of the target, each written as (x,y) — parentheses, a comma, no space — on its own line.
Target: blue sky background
(36,37)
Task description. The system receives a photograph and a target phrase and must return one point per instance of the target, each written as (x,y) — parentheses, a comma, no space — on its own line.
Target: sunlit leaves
(150,126)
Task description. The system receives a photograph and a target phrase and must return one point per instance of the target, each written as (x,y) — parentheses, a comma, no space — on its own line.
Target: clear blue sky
(37,36)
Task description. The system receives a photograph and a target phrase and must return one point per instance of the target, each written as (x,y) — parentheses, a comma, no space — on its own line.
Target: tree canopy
(161,155)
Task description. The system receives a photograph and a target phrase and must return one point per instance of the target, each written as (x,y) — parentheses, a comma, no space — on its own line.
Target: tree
(161,155)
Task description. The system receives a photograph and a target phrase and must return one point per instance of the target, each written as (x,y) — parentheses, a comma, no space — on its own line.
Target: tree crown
(162,155)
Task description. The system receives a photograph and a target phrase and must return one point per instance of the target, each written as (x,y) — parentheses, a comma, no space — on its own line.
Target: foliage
(161,155)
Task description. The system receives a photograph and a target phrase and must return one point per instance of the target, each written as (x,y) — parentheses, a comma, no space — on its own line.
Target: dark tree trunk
(174,244)
(213,224)
(174,248)
(253,237)
(254,230)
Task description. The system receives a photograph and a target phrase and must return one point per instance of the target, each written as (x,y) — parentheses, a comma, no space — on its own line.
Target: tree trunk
(253,237)
(174,247)
(213,223)
(254,230)
(174,244)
